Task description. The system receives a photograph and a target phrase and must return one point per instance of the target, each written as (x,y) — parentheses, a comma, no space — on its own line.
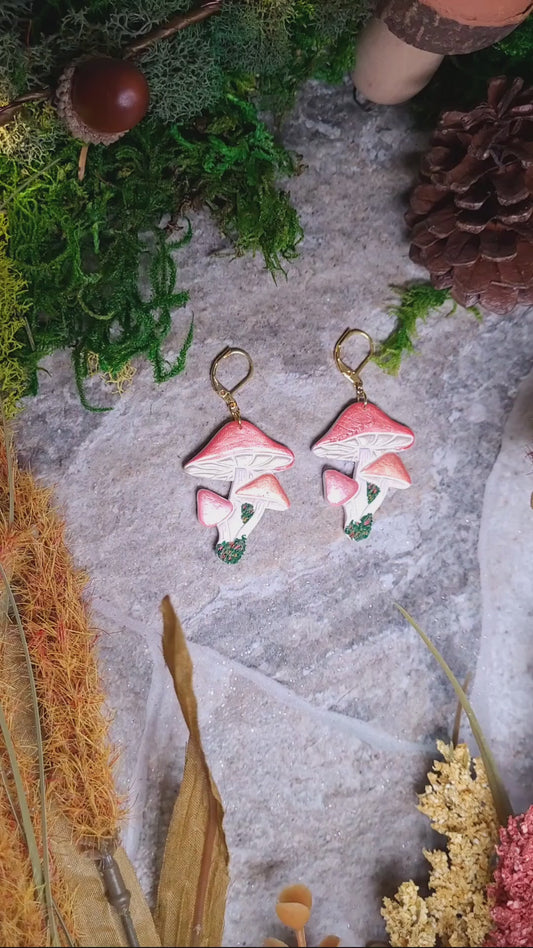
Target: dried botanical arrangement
(64,877)
(480,885)
(94,260)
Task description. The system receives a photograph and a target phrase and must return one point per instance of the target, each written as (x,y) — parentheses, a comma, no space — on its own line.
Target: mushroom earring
(366,437)
(243,454)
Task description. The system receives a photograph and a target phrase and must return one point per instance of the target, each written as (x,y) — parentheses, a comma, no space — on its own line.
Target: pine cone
(472,213)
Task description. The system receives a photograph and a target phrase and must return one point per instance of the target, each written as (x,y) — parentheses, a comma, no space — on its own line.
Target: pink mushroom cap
(235,446)
(363,426)
(212,508)
(389,467)
(266,489)
(338,488)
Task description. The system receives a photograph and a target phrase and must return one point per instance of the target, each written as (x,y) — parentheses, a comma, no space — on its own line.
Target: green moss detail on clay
(361,529)
(247,512)
(231,552)
(372,491)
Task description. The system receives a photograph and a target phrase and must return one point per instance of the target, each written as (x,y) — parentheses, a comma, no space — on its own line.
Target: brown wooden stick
(82,161)
(196,15)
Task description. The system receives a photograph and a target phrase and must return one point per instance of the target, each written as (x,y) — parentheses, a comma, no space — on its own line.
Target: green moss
(232,163)
(13,306)
(359,530)
(247,512)
(417,301)
(372,491)
(231,552)
(85,249)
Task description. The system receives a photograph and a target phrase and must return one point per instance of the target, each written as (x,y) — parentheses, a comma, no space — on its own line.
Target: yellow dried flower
(459,804)
(407,918)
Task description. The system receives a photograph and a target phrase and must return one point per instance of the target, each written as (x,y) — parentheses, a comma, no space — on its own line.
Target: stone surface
(319,705)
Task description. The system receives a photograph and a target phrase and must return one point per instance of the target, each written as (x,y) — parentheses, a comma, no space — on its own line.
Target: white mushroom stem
(377,502)
(354,508)
(233,527)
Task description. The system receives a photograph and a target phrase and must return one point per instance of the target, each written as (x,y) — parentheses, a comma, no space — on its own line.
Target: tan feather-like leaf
(191,899)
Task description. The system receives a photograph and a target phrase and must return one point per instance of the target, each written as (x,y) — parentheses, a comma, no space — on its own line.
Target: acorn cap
(100,99)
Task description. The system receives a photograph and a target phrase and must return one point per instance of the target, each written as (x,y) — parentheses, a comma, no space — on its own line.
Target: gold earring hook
(353,375)
(227,394)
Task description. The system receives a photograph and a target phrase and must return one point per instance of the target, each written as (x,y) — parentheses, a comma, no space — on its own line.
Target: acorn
(100,99)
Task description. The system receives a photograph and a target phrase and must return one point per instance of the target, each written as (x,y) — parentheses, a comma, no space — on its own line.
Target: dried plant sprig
(511,893)
(458,802)
(24,810)
(24,918)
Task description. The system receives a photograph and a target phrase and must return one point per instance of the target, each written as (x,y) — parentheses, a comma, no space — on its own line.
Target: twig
(180,22)
(82,161)
(459,711)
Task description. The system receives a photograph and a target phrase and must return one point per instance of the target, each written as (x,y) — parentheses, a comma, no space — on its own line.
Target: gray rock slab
(502,691)
(319,705)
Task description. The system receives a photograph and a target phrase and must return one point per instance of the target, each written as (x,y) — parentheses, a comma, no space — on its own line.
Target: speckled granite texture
(319,705)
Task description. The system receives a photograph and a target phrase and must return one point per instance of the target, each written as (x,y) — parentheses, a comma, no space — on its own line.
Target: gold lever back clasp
(226,393)
(353,375)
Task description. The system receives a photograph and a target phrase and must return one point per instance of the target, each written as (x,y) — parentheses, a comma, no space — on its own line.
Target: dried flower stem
(82,161)
(196,15)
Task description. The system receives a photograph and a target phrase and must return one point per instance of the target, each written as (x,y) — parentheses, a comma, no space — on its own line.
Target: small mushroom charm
(366,437)
(243,454)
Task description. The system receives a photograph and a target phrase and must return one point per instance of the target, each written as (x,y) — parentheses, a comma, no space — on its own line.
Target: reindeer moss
(99,271)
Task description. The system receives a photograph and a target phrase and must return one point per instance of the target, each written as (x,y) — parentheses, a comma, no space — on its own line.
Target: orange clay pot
(403,45)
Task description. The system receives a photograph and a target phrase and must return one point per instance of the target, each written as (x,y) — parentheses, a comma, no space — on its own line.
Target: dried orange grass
(49,594)
(22,918)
